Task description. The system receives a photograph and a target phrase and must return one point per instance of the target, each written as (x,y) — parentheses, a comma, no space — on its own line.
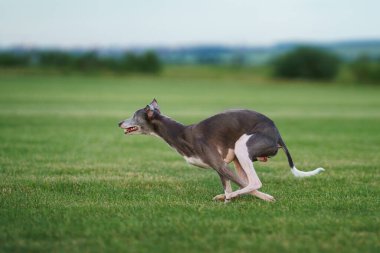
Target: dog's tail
(294,170)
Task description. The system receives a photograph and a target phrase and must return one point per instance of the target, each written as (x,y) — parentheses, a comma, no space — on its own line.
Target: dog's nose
(120,123)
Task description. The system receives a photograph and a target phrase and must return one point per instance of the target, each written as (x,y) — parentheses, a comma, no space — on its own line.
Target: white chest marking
(196,161)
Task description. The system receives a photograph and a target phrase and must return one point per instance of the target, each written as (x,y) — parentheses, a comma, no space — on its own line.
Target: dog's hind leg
(240,171)
(243,176)
(227,186)
(242,154)
(247,148)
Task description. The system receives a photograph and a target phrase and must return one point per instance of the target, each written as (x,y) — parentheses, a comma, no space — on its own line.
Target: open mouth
(130,129)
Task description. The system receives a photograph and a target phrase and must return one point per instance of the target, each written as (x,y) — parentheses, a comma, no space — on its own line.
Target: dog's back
(225,128)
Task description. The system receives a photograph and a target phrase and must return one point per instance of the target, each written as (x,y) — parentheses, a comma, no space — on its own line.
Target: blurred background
(335,41)
(70,70)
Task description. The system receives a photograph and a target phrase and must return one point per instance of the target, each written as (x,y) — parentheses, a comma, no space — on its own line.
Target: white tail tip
(299,173)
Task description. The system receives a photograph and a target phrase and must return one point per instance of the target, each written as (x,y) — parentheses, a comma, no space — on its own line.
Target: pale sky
(92,23)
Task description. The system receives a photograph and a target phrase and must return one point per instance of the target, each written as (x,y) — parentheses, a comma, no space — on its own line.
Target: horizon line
(189,45)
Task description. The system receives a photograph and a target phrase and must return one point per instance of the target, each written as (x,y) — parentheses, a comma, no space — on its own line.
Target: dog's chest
(196,162)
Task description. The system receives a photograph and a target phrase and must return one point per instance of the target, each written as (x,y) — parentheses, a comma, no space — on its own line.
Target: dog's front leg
(227,189)
(226,176)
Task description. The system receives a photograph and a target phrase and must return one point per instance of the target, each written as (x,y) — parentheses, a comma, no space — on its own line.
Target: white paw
(268,198)
(220,197)
(263,196)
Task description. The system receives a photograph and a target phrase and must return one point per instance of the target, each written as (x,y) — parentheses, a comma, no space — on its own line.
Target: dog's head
(141,121)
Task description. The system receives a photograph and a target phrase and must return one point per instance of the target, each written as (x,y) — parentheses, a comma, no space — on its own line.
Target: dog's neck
(173,133)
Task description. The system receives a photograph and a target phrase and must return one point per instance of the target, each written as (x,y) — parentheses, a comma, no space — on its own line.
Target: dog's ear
(149,110)
(155,105)
(152,108)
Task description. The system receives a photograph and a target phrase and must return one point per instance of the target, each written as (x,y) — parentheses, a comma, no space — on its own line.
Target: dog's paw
(269,198)
(220,197)
(263,196)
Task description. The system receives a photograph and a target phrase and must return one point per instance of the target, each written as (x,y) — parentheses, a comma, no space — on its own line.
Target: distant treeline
(303,62)
(366,69)
(307,63)
(318,64)
(147,62)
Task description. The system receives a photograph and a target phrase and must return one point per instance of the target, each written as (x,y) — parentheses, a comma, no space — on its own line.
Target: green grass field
(70,181)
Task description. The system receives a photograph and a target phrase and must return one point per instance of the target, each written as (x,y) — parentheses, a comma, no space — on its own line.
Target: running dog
(238,136)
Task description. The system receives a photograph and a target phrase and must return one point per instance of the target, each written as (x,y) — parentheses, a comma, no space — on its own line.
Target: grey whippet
(238,136)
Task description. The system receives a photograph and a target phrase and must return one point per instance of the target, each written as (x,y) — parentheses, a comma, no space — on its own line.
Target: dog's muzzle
(128,129)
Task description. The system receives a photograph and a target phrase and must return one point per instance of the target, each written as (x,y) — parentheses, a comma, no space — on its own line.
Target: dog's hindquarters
(294,170)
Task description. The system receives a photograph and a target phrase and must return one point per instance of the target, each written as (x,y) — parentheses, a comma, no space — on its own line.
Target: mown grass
(72,182)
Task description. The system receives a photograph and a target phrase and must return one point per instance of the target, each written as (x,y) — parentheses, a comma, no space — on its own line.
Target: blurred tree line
(318,64)
(147,62)
(366,69)
(307,63)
